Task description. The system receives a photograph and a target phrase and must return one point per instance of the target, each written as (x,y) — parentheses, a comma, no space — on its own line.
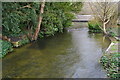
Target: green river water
(72,54)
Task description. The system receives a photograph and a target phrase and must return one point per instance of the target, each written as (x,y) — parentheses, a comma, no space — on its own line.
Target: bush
(56,17)
(23,41)
(17,18)
(94,26)
(6,47)
(112,34)
(20,42)
(114,31)
(118,24)
(111,64)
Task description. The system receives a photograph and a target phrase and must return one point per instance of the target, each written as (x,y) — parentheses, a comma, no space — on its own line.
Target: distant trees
(105,13)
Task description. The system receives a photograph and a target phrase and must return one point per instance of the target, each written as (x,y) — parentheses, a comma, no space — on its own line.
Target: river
(72,54)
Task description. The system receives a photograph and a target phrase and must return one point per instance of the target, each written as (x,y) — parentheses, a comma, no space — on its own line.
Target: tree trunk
(104,28)
(35,36)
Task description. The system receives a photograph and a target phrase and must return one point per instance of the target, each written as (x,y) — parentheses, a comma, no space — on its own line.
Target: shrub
(23,41)
(6,47)
(17,18)
(94,26)
(111,64)
(118,24)
(20,42)
(112,34)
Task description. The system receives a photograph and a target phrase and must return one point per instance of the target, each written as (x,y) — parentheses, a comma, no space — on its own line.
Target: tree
(104,12)
(19,19)
(35,36)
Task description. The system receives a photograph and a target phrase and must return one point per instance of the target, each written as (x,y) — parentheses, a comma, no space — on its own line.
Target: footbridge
(83,18)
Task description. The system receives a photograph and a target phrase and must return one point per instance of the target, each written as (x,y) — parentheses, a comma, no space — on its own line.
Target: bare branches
(104,12)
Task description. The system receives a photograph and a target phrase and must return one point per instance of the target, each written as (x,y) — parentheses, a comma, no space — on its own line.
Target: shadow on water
(37,45)
(73,54)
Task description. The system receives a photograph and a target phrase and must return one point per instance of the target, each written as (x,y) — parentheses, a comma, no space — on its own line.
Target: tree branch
(27,6)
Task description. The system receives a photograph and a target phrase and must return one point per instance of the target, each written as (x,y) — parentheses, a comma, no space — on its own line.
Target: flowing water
(72,54)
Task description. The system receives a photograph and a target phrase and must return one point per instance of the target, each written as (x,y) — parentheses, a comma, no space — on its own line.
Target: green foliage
(118,24)
(112,34)
(6,47)
(56,17)
(94,26)
(76,6)
(17,18)
(21,18)
(114,31)
(111,64)
(23,41)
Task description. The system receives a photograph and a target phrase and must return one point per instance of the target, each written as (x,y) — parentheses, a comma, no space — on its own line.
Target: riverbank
(111,56)
(107,60)
(110,59)
(6,47)
(8,44)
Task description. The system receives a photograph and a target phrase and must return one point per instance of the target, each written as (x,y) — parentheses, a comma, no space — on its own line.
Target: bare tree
(104,12)
(42,5)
